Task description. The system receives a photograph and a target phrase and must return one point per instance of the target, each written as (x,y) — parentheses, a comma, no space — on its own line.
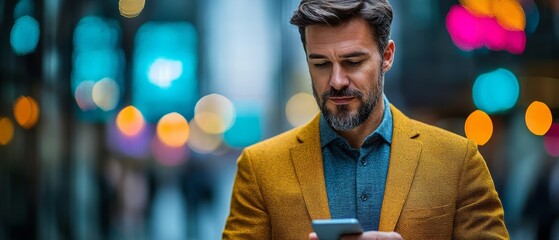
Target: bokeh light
(6,130)
(496,91)
(96,64)
(214,114)
(247,128)
(516,42)
(300,109)
(25,35)
(532,15)
(131,8)
(201,141)
(538,118)
(26,111)
(164,69)
(479,127)
(168,155)
(93,32)
(497,40)
(551,140)
(173,130)
(130,121)
(464,28)
(162,72)
(482,23)
(482,8)
(509,14)
(83,96)
(135,145)
(105,94)
(97,67)
(22,8)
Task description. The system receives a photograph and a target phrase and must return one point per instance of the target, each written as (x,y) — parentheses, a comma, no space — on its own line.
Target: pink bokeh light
(551,140)
(495,35)
(464,28)
(470,32)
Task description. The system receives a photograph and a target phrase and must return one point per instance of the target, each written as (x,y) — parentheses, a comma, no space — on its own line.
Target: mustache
(345,92)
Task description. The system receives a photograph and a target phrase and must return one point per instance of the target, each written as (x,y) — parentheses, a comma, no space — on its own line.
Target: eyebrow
(349,55)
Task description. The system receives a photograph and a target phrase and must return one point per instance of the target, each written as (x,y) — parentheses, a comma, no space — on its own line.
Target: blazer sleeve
(248,218)
(479,212)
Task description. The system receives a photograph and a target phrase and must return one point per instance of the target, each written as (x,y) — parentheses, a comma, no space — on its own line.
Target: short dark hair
(378,13)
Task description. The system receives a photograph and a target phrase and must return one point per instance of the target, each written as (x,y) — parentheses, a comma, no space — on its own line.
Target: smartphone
(333,229)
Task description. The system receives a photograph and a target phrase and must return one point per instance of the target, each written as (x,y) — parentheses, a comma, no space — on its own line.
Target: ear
(388,56)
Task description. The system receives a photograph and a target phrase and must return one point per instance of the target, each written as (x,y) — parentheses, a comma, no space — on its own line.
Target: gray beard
(346,120)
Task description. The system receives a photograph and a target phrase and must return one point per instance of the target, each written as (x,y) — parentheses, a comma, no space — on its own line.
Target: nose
(338,78)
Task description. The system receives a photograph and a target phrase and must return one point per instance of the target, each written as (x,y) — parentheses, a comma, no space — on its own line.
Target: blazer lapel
(307,162)
(404,156)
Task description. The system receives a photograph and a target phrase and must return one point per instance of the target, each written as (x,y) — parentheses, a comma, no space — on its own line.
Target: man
(361,157)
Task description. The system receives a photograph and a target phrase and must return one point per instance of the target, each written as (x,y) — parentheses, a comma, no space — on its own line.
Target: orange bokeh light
(481,8)
(479,127)
(538,118)
(173,130)
(130,121)
(26,112)
(510,15)
(6,130)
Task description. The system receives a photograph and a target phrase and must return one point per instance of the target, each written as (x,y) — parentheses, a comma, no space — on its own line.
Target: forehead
(353,33)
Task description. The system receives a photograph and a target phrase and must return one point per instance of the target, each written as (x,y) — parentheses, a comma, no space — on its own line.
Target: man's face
(347,70)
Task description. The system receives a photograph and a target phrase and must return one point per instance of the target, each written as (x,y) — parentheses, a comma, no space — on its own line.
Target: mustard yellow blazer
(438,187)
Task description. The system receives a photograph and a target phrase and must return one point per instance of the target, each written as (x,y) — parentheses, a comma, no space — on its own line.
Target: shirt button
(364,197)
(363,162)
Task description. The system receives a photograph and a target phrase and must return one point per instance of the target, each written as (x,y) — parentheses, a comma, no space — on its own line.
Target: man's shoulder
(434,134)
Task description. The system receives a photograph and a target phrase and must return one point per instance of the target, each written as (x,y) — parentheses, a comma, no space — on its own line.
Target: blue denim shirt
(355,179)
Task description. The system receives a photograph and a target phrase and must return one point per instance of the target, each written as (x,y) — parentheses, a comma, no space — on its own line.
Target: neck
(357,135)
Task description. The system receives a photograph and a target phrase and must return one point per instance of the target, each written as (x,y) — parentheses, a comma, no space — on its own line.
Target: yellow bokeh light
(300,108)
(210,122)
(479,127)
(479,7)
(26,111)
(214,113)
(130,121)
(173,130)
(6,130)
(131,8)
(509,14)
(538,118)
(201,141)
(105,94)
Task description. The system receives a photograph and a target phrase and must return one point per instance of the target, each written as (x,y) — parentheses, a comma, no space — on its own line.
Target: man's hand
(371,235)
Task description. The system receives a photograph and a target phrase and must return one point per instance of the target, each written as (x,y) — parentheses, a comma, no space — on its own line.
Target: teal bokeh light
(96,56)
(25,35)
(95,33)
(496,91)
(164,71)
(24,7)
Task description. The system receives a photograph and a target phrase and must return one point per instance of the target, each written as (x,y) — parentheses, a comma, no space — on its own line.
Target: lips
(341,100)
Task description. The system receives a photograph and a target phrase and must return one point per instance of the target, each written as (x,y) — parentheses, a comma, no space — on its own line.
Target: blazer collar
(307,162)
(404,155)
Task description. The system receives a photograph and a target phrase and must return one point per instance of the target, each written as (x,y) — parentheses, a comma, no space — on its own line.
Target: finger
(374,235)
(313,236)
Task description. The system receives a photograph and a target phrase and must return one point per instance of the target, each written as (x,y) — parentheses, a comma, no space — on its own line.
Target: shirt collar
(384,130)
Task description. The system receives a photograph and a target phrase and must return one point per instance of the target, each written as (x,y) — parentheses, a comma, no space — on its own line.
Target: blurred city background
(124,119)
